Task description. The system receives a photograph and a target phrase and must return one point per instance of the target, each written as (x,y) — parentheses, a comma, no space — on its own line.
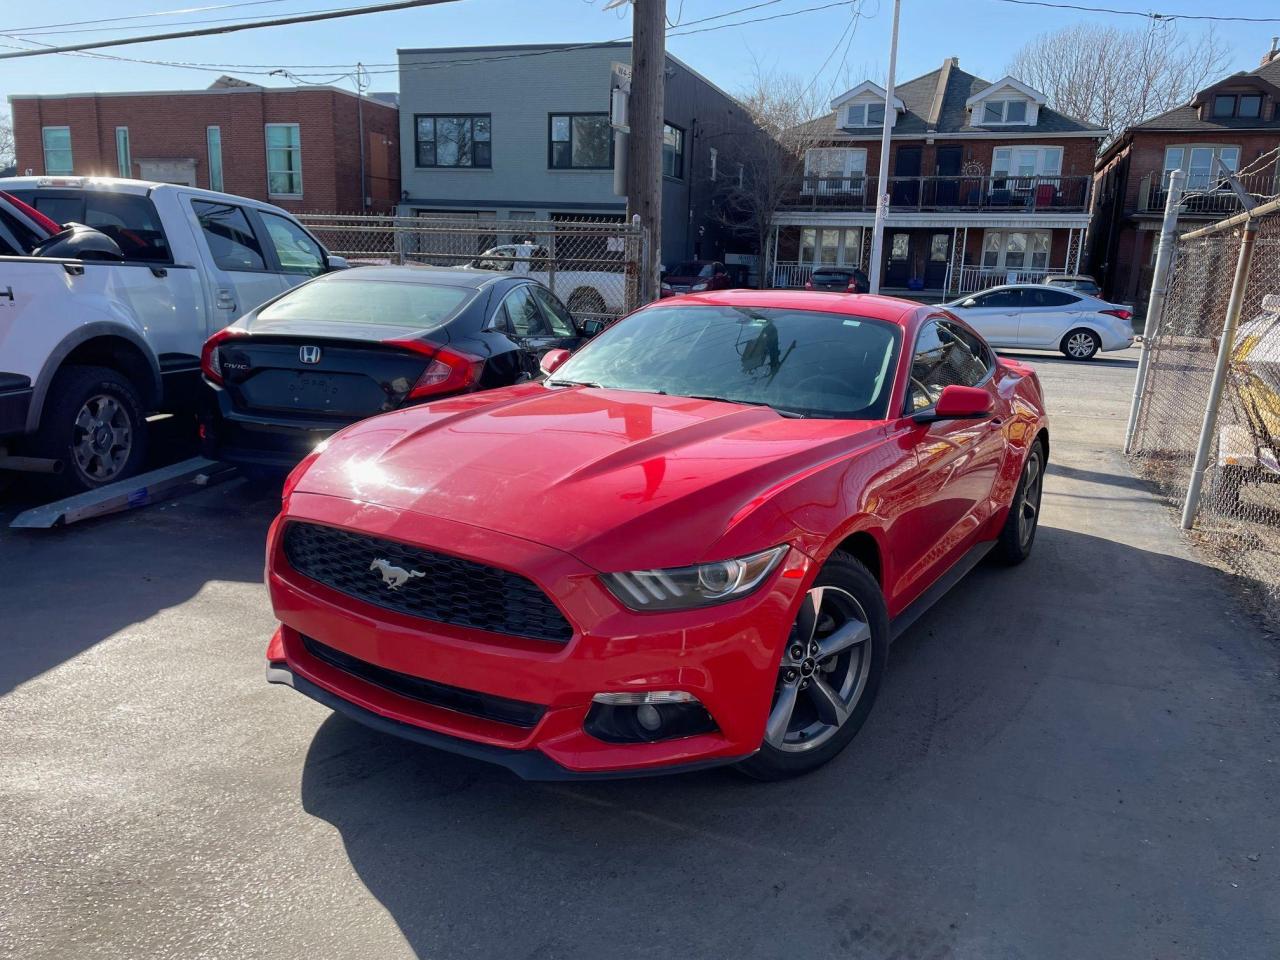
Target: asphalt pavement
(1076,758)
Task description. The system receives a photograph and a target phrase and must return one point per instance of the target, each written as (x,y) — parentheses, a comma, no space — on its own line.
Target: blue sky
(983,33)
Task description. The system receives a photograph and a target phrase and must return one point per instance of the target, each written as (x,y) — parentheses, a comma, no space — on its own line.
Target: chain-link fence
(591,264)
(1235,508)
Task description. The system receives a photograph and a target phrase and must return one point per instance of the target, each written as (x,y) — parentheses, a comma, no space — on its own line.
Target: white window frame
(213,151)
(714,154)
(859,114)
(1199,181)
(1037,244)
(852,166)
(124,159)
(45,148)
(1047,163)
(1004,120)
(296,173)
(847,246)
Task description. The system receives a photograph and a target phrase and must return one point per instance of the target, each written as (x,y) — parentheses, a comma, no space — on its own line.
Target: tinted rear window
(414,306)
(128,219)
(692,269)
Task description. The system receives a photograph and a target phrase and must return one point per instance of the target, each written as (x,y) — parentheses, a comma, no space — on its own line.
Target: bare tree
(757,173)
(1115,77)
(7,151)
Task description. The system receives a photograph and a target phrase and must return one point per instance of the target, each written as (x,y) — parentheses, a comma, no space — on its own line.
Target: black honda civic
(358,342)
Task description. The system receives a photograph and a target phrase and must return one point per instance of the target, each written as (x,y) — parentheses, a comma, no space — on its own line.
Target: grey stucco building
(518,132)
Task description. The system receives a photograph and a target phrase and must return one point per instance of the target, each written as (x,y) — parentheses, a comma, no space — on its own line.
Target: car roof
(1070,276)
(421,273)
(138,188)
(873,307)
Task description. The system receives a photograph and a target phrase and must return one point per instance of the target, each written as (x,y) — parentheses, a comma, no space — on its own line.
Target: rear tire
(1080,344)
(1018,535)
(95,423)
(822,698)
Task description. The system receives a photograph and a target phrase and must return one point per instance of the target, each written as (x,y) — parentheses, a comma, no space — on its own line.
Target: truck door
(240,275)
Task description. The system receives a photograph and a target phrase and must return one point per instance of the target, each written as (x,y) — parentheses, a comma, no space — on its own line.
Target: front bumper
(725,656)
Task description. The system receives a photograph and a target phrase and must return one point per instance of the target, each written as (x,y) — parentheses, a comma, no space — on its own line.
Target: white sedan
(1044,317)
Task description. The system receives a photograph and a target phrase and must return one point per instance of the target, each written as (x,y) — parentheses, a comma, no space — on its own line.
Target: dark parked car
(349,345)
(1079,282)
(839,280)
(696,276)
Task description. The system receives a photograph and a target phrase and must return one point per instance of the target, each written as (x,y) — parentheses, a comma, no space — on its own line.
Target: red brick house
(295,147)
(986,183)
(1236,121)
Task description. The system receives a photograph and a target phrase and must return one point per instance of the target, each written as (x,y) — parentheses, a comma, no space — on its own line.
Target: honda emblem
(309,354)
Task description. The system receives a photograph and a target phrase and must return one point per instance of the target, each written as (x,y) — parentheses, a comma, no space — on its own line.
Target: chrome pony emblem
(394,577)
(309,354)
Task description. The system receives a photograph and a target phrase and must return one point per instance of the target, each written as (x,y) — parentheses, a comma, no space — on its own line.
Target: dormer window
(1244,105)
(865,115)
(1004,111)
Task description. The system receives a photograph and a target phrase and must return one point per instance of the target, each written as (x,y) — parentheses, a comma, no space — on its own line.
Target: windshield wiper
(572,383)
(790,414)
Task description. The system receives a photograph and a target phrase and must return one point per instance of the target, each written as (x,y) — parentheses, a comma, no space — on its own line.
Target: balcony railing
(1006,194)
(1206,195)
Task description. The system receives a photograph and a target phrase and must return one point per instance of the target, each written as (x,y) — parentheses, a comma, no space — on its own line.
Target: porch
(930,261)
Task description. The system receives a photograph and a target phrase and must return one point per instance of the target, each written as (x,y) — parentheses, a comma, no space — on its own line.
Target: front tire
(1080,344)
(95,423)
(829,674)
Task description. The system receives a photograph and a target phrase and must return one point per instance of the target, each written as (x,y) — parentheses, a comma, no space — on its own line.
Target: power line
(145,16)
(1140,13)
(231,28)
(25,34)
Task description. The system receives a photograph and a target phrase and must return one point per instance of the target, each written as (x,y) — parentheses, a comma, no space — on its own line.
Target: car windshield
(691,269)
(800,362)
(415,306)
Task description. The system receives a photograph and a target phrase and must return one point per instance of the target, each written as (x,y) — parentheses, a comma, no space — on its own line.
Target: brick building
(1235,121)
(295,147)
(987,183)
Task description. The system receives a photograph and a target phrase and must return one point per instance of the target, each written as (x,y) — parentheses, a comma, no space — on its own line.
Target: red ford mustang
(690,545)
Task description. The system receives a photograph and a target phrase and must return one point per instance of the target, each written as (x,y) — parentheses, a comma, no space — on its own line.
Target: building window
(714,154)
(672,151)
(213,141)
(284,160)
(865,115)
(1026,162)
(1197,161)
(123,163)
(1224,105)
(456,141)
(57,150)
(828,246)
(835,170)
(1245,105)
(1249,106)
(1016,249)
(742,176)
(1004,111)
(580,141)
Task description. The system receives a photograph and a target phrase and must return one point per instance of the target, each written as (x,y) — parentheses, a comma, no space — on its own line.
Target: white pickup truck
(589,294)
(88,347)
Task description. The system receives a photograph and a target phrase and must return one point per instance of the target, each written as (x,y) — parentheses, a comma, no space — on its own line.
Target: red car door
(957,460)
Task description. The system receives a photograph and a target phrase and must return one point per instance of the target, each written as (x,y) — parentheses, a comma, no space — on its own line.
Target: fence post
(1155,303)
(1208,428)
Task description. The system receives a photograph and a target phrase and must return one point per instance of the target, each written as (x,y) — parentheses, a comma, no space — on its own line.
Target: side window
(1010,298)
(231,241)
(554,313)
(128,219)
(523,313)
(1049,298)
(940,360)
(298,253)
(971,352)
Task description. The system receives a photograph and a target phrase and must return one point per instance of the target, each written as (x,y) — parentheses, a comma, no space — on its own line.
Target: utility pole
(362,78)
(644,116)
(882,183)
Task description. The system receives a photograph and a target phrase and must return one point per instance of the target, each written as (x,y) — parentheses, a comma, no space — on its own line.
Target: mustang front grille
(421,583)
(515,712)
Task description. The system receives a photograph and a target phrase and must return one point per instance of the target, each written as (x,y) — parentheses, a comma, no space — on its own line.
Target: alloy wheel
(823,672)
(103,437)
(1080,345)
(1029,504)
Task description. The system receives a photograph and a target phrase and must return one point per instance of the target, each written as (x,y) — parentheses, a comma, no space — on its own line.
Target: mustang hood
(606,475)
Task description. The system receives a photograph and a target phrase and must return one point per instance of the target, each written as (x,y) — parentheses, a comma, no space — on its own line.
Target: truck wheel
(94,423)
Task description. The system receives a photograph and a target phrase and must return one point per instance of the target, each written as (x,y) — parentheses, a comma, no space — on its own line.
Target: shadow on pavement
(66,589)
(1018,792)
(1100,359)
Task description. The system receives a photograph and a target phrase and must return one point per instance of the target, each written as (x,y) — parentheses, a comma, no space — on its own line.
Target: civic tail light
(1118,312)
(447,371)
(210,353)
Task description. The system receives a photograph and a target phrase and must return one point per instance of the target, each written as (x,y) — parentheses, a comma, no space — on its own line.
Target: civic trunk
(318,379)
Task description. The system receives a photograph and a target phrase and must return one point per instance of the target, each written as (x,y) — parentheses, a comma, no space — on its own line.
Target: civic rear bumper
(725,656)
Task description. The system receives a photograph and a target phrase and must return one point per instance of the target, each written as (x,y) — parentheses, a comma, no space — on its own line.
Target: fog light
(646,716)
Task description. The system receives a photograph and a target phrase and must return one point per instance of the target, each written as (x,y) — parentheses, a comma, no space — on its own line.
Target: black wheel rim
(823,672)
(1028,506)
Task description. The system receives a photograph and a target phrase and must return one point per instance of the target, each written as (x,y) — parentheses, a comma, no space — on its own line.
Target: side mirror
(591,327)
(552,360)
(957,403)
(332,262)
(969,303)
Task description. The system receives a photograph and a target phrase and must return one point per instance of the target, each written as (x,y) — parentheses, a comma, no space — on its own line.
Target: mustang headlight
(704,584)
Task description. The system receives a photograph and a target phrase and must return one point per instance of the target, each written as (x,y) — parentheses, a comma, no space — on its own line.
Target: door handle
(225,300)
(159,272)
